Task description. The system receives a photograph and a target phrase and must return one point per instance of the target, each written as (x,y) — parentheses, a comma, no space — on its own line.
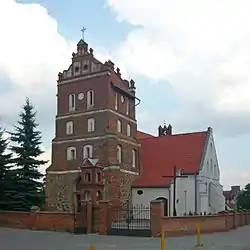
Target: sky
(190,61)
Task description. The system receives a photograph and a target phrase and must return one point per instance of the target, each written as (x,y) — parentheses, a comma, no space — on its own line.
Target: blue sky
(190,70)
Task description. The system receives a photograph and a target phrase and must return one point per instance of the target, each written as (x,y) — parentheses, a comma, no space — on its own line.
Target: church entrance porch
(130,221)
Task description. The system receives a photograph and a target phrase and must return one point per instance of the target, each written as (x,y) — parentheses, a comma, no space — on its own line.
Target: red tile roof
(141,135)
(160,154)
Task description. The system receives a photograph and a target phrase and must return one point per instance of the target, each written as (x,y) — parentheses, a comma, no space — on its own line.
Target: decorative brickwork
(91,91)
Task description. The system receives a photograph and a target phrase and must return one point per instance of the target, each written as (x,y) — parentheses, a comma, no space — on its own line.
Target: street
(12,239)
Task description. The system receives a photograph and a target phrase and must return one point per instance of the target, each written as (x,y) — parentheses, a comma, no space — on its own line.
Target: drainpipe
(169,202)
(195,193)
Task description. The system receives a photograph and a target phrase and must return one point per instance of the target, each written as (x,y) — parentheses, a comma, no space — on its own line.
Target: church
(99,154)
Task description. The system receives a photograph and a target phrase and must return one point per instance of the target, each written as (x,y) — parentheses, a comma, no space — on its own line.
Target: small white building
(198,188)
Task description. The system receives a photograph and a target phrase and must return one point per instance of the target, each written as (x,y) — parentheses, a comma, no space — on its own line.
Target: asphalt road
(13,239)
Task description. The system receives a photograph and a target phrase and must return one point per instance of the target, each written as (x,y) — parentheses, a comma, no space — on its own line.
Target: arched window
(69,128)
(128,130)
(71,153)
(119,154)
(133,158)
(72,102)
(119,126)
(91,125)
(116,101)
(127,107)
(87,151)
(90,99)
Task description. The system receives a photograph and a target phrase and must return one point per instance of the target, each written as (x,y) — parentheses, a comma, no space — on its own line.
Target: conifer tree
(26,141)
(5,176)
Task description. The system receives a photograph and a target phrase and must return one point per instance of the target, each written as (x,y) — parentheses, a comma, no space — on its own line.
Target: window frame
(69,153)
(69,124)
(91,125)
(119,126)
(86,154)
(90,98)
(72,102)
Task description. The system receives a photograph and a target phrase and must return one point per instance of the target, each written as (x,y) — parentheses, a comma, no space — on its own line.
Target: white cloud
(32,53)
(201,47)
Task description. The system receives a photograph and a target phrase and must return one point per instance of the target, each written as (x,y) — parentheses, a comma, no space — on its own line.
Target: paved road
(13,239)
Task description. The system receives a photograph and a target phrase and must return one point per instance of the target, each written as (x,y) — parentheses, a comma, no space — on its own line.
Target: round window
(139,192)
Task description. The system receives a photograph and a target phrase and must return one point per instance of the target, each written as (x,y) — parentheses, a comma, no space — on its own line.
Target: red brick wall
(176,226)
(40,220)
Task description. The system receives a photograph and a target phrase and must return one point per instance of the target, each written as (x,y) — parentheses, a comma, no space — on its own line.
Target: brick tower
(95,122)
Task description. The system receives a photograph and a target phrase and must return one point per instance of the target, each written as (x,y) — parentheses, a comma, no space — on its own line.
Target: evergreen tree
(26,149)
(243,199)
(5,174)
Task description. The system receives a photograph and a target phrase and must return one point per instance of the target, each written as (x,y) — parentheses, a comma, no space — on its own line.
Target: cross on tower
(174,176)
(83,31)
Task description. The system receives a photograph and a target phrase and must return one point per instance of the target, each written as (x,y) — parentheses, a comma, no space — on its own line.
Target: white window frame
(87,195)
(127,107)
(116,101)
(71,153)
(69,128)
(87,151)
(119,154)
(128,130)
(72,102)
(119,126)
(91,125)
(90,101)
(133,158)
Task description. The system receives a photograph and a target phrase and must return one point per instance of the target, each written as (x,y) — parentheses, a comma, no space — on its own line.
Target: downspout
(169,202)
(195,193)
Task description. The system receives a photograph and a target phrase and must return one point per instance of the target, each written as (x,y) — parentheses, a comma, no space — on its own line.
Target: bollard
(162,240)
(92,247)
(198,239)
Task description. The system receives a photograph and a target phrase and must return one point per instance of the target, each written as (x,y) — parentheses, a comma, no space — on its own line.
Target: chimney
(160,131)
(169,129)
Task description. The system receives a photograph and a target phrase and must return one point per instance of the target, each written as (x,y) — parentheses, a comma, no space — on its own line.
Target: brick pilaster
(156,213)
(103,217)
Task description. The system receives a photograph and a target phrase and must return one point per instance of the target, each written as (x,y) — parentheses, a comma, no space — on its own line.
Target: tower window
(69,128)
(72,102)
(127,107)
(87,151)
(122,99)
(91,124)
(133,158)
(116,101)
(85,67)
(76,69)
(128,130)
(119,154)
(71,153)
(119,126)
(90,99)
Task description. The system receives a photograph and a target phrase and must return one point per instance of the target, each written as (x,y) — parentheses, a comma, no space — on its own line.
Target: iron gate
(133,221)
